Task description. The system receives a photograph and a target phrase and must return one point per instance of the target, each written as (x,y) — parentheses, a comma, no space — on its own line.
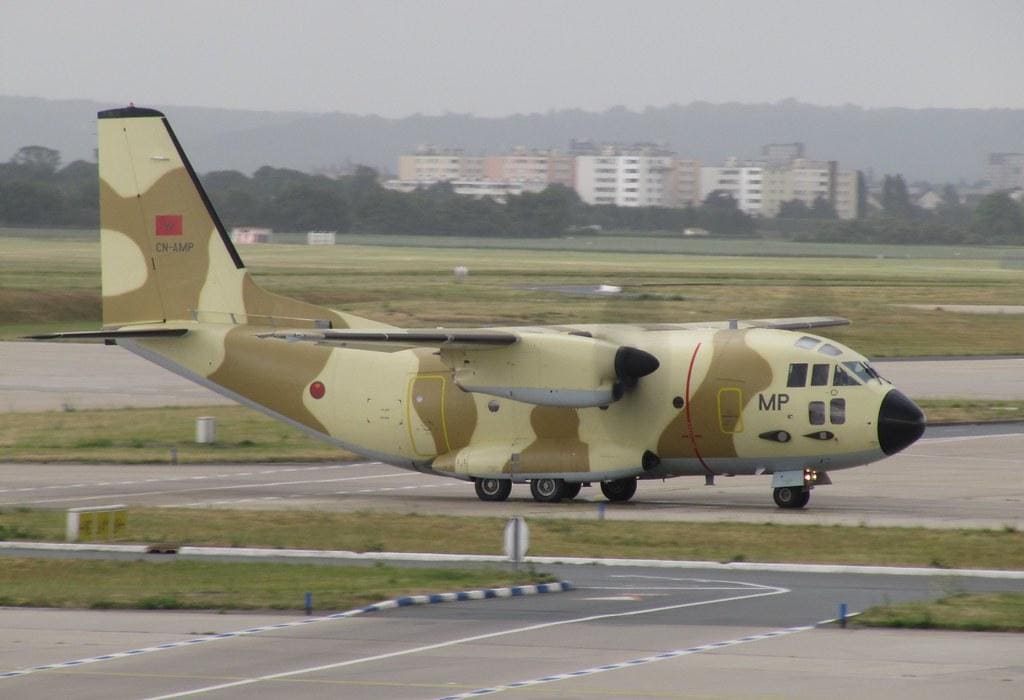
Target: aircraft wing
(113,334)
(797,323)
(400,339)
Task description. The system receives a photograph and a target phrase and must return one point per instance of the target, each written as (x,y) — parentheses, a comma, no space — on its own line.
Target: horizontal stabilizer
(121,334)
(448,338)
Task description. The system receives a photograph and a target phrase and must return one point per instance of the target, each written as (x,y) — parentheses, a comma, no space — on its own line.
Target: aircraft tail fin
(165,255)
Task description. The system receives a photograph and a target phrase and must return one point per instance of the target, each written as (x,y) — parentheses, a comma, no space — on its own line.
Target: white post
(205,430)
(71,531)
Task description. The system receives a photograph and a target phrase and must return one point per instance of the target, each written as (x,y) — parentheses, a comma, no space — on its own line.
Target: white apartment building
(847,194)
(804,180)
(498,191)
(638,177)
(432,164)
(744,181)
(1005,171)
(522,165)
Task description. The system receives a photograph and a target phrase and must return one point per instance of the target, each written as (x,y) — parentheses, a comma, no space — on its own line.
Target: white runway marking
(404,601)
(663,656)
(231,501)
(765,591)
(170,479)
(108,496)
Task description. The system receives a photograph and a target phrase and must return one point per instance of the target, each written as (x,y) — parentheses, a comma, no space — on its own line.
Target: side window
(819,375)
(797,375)
(837,411)
(816,411)
(843,378)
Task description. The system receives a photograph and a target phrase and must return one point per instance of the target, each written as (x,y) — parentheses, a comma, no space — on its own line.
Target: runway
(623,633)
(953,477)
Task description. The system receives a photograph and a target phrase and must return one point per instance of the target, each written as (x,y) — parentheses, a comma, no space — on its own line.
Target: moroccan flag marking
(168,225)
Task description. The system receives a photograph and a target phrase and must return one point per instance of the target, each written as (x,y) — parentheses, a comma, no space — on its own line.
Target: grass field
(993,612)
(390,532)
(49,281)
(148,435)
(63,583)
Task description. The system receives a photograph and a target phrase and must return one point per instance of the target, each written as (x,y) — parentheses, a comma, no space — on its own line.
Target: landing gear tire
(791,496)
(547,490)
(619,490)
(571,490)
(493,489)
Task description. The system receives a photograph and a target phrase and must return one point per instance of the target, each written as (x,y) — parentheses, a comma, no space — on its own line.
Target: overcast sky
(494,58)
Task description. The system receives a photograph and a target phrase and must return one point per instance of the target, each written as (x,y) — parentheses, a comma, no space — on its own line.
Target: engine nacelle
(549,369)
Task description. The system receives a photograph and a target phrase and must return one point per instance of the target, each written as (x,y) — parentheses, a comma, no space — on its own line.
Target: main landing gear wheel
(619,490)
(493,489)
(552,490)
(571,490)
(791,496)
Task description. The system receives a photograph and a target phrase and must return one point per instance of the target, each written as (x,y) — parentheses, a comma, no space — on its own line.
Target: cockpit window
(797,375)
(831,350)
(819,375)
(807,342)
(843,378)
(863,371)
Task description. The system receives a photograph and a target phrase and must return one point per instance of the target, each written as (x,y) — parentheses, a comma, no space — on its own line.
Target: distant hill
(939,145)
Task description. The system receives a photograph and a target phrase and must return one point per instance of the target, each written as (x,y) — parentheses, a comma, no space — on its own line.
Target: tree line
(995,219)
(36,190)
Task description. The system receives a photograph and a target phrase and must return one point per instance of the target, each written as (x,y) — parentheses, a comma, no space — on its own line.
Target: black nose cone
(900,423)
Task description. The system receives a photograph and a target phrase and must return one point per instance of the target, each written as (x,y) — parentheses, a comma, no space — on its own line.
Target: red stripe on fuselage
(689,417)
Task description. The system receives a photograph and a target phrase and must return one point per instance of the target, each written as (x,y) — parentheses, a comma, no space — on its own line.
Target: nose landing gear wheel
(619,490)
(493,489)
(791,496)
(552,490)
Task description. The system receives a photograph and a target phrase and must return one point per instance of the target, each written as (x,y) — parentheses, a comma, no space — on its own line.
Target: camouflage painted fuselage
(722,400)
(716,404)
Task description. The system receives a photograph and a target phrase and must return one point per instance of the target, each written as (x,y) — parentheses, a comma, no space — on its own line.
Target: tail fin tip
(128,113)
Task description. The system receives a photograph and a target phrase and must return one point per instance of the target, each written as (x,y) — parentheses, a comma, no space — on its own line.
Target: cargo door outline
(425,414)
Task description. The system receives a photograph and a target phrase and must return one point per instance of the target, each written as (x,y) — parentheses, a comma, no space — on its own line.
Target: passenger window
(828,349)
(837,411)
(819,375)
(816,412)
(797,375)
(843,378)
(807,342)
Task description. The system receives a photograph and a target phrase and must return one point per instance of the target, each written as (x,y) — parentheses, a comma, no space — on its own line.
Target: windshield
(863,371)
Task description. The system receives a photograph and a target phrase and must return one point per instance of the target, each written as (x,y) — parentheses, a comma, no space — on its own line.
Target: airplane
(557,407)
